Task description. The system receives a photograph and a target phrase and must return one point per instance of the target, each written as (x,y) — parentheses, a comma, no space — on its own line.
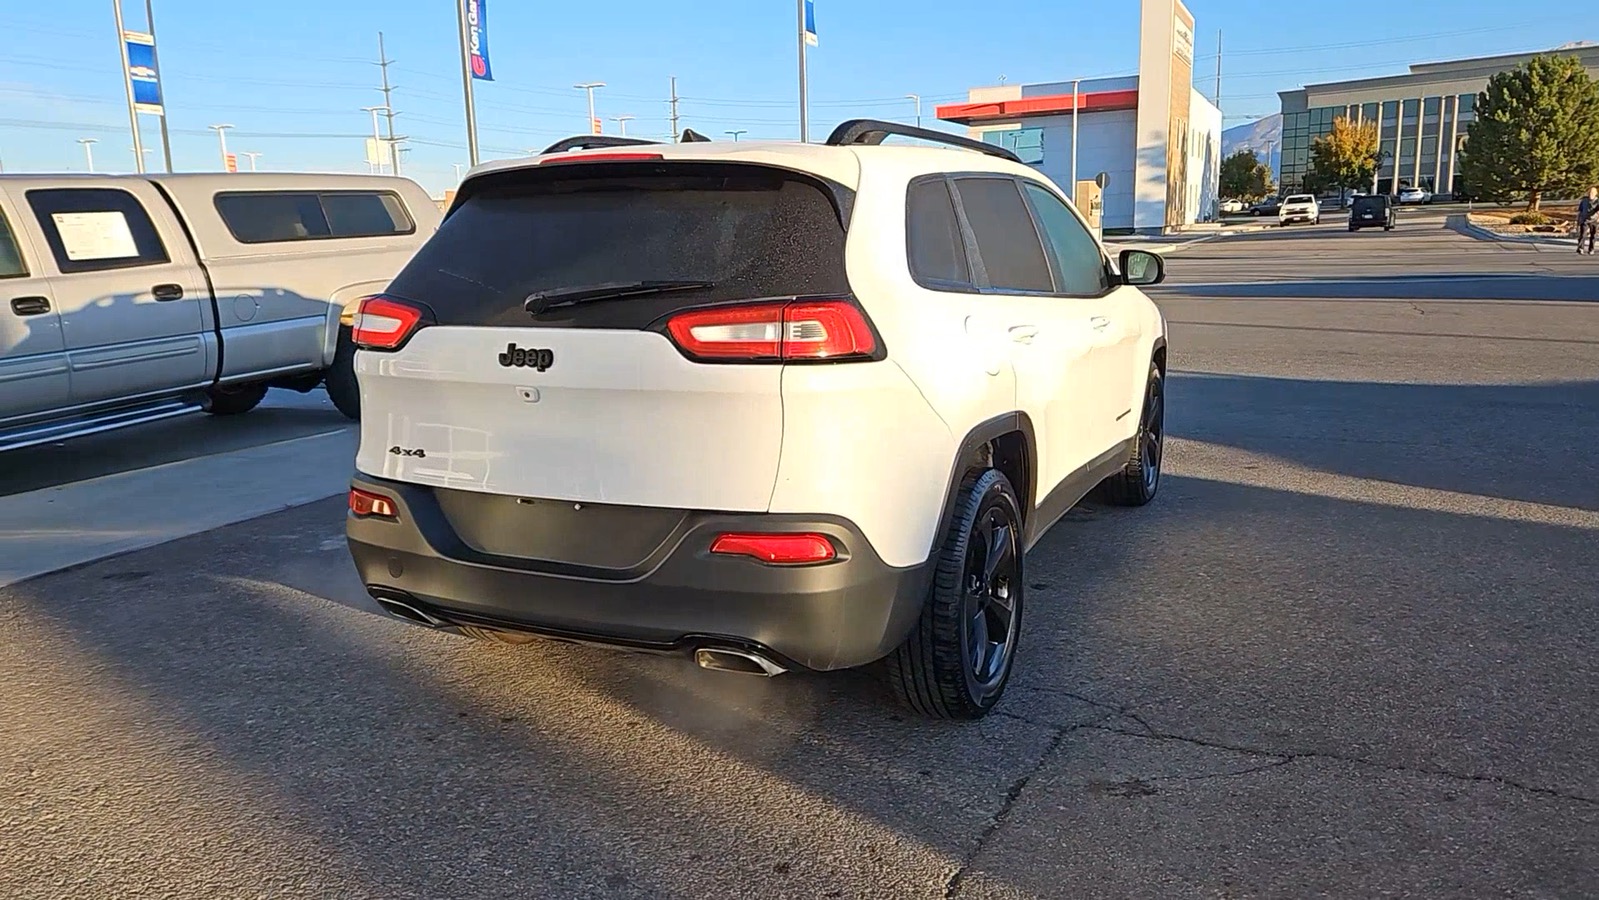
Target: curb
(1463,224)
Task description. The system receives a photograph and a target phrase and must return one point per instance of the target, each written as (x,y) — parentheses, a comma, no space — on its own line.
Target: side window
(11,265)
(1006,239)
(95,229)
(267,217)
(933,237)
(1077,254)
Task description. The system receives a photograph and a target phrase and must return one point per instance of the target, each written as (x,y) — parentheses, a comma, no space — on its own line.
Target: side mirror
(1141,268)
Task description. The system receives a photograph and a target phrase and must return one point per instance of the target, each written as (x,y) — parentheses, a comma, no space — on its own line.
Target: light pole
(377,136)
(918,99)
(621,122)
(735,134)
(88,150)
(590,87)
(252,154)
(457,172)
(1077,113)
(222,141)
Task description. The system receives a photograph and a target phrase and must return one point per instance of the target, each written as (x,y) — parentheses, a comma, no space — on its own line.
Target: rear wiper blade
(540,301)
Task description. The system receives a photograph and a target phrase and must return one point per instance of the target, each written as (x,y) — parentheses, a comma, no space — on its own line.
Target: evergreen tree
(1536,132)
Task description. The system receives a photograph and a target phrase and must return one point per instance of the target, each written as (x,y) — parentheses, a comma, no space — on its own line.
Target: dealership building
(1155,138)
(1422,116)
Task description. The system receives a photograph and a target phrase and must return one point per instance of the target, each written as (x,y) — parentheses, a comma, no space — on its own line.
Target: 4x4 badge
(530,357)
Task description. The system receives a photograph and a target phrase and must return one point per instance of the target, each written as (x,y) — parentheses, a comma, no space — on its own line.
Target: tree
(1536,132)
(1244,176)
(1343,158)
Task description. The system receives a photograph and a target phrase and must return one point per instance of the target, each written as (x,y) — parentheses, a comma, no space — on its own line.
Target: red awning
(1052,105)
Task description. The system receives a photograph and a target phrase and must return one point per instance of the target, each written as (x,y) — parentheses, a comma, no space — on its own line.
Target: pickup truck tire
(232,399)
(340,379)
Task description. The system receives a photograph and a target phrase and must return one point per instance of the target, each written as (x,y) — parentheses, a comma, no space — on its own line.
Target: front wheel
(959,655)
(1139,479)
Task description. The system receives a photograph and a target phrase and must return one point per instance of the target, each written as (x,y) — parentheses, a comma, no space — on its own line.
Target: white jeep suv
(779,406)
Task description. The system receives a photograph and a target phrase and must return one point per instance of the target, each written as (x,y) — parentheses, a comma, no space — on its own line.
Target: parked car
(1232,205)
(1415,195)
(1371,211)
(1299,208)
(131,299)
(1267,207)
(776,406)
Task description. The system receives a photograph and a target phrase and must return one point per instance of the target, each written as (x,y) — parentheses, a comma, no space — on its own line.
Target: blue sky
(293,75)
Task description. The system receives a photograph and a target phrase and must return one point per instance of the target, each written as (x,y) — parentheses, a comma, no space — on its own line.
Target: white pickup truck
(127,299)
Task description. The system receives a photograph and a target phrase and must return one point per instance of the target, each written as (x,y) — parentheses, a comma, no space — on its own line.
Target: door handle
(1024,334)
(30,306)
(168,291)
(1099,323)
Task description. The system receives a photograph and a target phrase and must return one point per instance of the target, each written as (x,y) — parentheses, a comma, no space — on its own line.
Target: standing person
(1588,219)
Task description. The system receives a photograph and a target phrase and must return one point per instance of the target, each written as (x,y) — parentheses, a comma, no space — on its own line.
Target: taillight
(793,330)
(366,503)
(383,323)
(780,549)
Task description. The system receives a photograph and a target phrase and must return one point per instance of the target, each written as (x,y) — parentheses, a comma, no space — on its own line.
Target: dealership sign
(142,72)
(477,43)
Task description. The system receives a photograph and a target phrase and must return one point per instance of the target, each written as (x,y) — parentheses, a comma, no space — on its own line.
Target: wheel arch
(1006,443)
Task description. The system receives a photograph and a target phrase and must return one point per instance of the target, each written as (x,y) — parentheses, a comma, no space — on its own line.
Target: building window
(1027,143)
(1390,110)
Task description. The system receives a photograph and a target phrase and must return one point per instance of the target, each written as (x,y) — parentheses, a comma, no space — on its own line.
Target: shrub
(1529,218)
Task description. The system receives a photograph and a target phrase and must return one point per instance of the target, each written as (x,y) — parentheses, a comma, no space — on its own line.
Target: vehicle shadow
(1516,442)
(1579,288)
(417,764)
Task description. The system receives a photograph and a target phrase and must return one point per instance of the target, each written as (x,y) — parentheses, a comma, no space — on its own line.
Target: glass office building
(1423,118)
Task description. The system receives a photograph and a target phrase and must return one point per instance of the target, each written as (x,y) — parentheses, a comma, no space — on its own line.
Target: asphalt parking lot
(1351,650)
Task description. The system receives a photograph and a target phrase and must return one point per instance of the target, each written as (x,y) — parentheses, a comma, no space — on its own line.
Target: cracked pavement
(1351,650)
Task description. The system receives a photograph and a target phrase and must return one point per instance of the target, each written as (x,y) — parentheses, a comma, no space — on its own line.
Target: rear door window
(1007,241)
(95,229)
(745,232)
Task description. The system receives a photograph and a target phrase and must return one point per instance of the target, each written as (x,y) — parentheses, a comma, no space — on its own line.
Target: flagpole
(127,84)
(805,131)
(466,85)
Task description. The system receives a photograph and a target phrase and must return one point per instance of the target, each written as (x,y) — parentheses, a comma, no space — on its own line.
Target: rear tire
(340,378)
(951,666)
(233,399)
(1139,480)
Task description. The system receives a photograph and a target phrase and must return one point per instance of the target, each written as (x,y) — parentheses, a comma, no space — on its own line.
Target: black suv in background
(1372,210)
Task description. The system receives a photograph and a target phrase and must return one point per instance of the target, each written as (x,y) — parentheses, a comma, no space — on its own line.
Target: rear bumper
(677,597)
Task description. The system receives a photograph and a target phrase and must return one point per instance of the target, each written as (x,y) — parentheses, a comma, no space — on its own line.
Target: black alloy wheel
(1139,480)
(993,580)
(958,657)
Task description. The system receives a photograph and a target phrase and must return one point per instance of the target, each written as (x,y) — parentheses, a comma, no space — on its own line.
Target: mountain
(1261,136)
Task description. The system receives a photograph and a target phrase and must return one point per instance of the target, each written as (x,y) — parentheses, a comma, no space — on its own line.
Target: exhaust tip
(403,610)
(741,661)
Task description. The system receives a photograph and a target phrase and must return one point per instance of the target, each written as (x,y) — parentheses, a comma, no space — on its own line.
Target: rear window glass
(748,231)
(268,217)
(1300,198)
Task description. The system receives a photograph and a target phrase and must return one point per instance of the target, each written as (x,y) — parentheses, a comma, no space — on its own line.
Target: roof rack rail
(586,141)
(873,131)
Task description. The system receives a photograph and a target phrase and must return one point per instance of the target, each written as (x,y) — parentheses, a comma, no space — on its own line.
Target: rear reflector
(383,323)
(600,157)
(366,503)
(782,549)
(789,330)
